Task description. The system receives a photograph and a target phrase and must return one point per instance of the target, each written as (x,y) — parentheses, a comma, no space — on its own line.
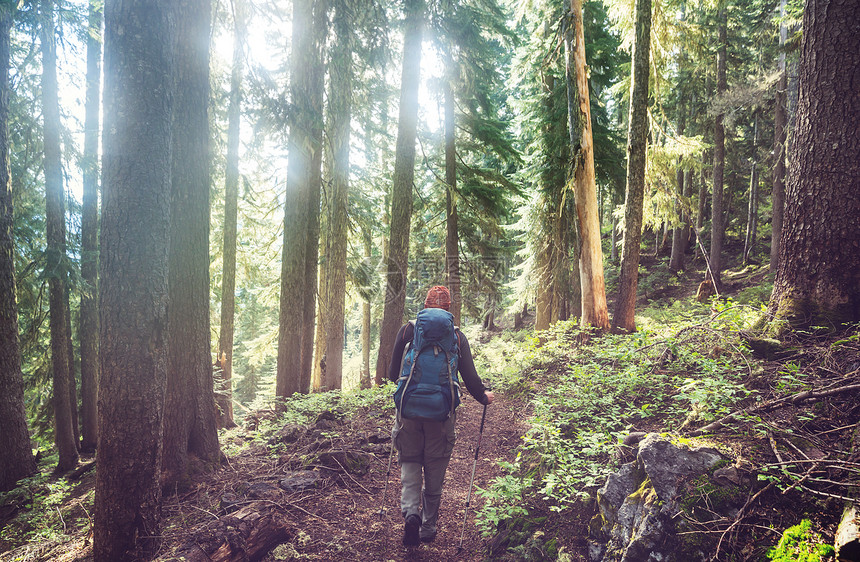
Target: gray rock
(640,503)
(298,480)
(263,491)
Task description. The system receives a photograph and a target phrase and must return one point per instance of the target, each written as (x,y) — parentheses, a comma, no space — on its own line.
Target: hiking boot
(429,538)
(410,530)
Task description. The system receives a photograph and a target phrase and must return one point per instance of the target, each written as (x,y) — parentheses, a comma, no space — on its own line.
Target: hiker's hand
(490,396)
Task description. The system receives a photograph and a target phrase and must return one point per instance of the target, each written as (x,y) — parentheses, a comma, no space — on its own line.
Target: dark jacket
(465,364)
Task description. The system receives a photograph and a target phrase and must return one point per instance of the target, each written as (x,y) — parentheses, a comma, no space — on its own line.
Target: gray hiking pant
(424,447)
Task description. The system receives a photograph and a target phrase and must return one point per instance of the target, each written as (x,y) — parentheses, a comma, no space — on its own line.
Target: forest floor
(342,516)
(244,506)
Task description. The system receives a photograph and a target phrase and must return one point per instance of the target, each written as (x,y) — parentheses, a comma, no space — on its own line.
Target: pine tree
(89,322)
(56,259)
(637,140)
(17,459)
(401,193)
(139,44)
(231,210)
(818,276)
(190,426)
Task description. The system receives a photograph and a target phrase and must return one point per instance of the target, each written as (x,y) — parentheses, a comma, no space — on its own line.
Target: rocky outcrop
(648,506)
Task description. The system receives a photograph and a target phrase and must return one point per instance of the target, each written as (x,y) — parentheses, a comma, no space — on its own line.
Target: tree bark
(452,235)
(139,43)
(818,277)
(317,92)
(190,415)
(779,149)
(55,231)
(676,259)
(637,144)
(89,313)
(297,222)
(365,381)
(401,196)
(752,207)
(594,311)
(231,211)
(17,460)
(340,115)
(717,210)
(543,301)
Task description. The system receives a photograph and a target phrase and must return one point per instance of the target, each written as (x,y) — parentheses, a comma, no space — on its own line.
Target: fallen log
(848,535)
(248,534)
(774,405)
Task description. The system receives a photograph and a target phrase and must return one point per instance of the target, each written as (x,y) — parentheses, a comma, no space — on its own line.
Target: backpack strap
(406,350)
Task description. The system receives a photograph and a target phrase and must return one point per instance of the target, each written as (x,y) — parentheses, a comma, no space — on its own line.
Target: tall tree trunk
(340,115)
(676,259)
(703,196)
(297,222)
(613,237)
(318,370)
(452,235)
(17,460)
(55,231)
(70,358)
(401,192)
(779,149)
(818,278)
(594,311)
(717,209)
(317,93)
(562,293)
(689,236)
(89,314)
(543,300)
(139,43)
(364,380)
(752,207)
(637,142)
(190,420)
(231,211)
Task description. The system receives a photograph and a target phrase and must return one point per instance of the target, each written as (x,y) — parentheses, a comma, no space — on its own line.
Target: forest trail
(340,518)
(503,430)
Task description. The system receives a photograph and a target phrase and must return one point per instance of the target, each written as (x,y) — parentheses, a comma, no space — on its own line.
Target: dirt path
(503,430)
(341,519)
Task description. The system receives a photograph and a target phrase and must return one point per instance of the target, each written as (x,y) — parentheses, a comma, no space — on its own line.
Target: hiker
(423,444)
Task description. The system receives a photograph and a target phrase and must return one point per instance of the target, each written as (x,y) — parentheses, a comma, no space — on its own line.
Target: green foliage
(304,409)
(587,392)
(47,511)
(503,500)
(800,544)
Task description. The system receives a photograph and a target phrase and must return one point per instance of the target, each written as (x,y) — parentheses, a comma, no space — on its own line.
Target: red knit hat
(438,297)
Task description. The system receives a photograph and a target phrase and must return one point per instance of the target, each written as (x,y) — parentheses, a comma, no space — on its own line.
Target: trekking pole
(472,479)
(388,471)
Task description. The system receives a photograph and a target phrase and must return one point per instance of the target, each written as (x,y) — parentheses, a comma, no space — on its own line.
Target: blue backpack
(428,389)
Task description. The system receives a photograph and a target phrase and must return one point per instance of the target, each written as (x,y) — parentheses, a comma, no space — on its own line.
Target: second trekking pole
(472,479)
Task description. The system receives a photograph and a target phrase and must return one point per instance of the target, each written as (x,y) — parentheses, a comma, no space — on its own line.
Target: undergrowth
(684,366)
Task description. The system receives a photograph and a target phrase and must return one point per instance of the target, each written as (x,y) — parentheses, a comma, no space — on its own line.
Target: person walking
(429,353)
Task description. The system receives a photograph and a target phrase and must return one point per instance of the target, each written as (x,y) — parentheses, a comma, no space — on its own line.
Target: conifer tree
(231,210)
(17,459)
(290,377)
(133,266)
(637,139)
(56,259)
(401,193)
(89,321)
(818,276)
(190,426)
